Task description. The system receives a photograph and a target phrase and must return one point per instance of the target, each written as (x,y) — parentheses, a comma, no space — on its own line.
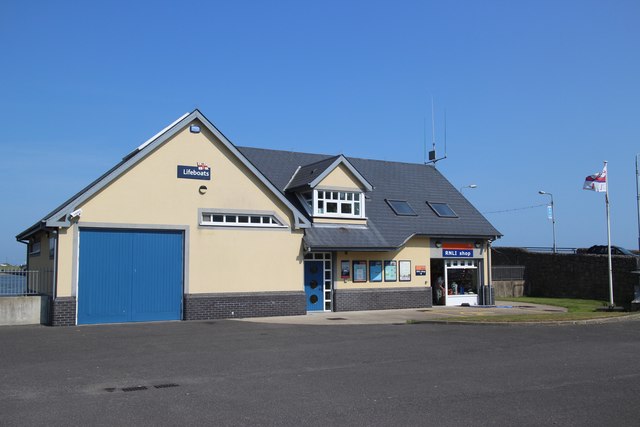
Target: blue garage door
(129,276)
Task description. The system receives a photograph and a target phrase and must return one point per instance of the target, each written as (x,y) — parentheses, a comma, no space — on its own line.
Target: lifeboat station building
(190,226)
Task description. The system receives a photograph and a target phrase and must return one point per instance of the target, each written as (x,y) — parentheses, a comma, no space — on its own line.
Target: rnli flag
(596,182)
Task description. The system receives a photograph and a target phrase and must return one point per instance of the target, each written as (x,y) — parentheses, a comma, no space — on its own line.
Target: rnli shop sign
(457,250)
(200,171)
(457,253)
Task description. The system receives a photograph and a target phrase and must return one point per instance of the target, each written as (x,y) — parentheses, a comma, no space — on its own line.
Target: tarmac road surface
(251,373)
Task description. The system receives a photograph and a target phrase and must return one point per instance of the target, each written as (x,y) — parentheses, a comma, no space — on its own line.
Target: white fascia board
(286,187)
(153,138)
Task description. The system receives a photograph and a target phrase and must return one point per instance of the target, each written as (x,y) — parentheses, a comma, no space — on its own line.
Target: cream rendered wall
(219,259)
(340,178)
(416,250)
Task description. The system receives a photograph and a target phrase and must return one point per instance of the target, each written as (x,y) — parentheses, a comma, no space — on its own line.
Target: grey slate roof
(416,183)
(308,173)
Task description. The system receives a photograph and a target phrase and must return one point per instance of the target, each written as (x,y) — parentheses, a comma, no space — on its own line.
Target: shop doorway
(455,281)
(438,288)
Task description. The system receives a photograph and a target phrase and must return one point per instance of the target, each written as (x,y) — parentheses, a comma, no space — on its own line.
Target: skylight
(401,207)
(442,210)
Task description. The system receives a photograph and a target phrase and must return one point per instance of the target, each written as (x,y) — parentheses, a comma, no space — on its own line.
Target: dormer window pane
(338,204)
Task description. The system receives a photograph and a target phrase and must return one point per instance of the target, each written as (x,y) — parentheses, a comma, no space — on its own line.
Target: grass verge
(577,310)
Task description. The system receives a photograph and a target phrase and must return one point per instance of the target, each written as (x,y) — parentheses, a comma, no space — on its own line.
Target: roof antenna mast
(433,158)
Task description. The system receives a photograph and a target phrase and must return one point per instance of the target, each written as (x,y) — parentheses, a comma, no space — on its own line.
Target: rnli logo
(199,171)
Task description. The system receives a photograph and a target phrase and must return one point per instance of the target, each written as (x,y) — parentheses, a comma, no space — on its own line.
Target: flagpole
(611,303)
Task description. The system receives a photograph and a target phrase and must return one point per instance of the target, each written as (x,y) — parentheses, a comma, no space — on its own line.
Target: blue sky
(537,94)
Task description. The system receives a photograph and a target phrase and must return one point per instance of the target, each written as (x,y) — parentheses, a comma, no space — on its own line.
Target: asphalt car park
(253,373)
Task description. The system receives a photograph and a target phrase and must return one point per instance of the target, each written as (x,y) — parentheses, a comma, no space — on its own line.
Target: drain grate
(336,318)
(136,388)
(141,387)
(166,385)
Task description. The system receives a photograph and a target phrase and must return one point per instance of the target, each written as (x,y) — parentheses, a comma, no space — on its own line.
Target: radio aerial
(433,158)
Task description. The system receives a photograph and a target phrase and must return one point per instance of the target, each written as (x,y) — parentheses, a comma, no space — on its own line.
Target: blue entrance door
(314,285)
(129,276)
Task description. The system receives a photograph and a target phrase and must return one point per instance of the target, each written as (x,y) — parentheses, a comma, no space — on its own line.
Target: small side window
(34,248)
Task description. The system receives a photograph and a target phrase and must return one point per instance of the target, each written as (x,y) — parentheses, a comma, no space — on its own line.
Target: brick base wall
(381,299)
(63,311)
(234,305)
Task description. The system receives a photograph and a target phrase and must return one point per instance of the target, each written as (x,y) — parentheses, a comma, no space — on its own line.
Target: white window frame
(239,218)
(340,197)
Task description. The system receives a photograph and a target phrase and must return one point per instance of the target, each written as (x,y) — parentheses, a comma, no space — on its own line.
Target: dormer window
(334,203)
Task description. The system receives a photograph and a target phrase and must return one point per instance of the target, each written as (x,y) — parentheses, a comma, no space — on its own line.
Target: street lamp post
(638,196)
(468,186)
(553,218)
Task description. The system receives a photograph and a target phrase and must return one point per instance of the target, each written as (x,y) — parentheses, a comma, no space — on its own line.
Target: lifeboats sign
(457,250)
(200,171)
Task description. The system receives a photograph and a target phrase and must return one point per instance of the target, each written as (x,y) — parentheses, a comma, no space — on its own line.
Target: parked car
(615,250)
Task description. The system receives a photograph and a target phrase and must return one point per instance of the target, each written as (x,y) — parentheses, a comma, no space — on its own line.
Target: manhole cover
(336,318)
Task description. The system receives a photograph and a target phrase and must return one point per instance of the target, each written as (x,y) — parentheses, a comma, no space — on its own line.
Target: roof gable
(310,175)
(59,217)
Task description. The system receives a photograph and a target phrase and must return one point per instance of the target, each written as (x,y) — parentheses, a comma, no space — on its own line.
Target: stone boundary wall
(508,288)
(381,299)
(584,276)
(24,310)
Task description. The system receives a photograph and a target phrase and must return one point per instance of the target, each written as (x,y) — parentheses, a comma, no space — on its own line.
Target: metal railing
(26,282)
(507,272)
(545,249)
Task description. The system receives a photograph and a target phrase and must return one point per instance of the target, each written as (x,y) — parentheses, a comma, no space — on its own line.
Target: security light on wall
(75,214)
(438,244)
